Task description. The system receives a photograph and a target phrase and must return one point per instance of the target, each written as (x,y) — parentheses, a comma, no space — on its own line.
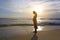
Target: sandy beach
(30,35)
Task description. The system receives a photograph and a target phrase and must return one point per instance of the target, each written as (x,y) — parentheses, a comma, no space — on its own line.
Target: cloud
(15,5)
(25,6)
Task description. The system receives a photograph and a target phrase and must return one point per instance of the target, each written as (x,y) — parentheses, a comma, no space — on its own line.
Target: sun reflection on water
(38,20)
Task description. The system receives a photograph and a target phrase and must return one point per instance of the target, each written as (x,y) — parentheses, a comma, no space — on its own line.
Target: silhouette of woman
(35,21)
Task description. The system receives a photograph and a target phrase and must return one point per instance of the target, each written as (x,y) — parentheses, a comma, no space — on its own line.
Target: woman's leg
(35,30)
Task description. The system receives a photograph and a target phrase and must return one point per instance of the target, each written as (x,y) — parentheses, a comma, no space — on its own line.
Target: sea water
(15,21)
(25,21)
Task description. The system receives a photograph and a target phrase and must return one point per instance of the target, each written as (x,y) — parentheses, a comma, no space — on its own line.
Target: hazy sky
(24,8)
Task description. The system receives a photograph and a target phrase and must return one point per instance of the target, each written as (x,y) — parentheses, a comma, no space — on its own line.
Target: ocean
(15,21)
(44,21)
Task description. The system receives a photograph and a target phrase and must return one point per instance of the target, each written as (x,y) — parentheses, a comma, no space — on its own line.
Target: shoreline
(1,25)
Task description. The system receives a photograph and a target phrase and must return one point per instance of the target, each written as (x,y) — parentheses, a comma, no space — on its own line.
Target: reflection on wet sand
(35,37)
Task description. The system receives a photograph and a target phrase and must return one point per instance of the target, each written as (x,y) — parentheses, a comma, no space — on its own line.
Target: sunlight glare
(38,9)
(40,28)
(39,20)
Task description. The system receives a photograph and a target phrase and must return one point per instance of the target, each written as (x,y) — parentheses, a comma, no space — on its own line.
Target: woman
(35,21)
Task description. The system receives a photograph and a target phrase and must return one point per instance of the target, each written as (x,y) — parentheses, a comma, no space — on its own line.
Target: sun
(38,9)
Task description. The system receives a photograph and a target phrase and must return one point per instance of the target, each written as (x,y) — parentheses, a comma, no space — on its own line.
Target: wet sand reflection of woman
(35,21)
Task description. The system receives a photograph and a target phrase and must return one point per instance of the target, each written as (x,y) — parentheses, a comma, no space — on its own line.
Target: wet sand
(41,35)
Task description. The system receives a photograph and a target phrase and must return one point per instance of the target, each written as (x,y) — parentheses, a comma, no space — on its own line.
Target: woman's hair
(35,13)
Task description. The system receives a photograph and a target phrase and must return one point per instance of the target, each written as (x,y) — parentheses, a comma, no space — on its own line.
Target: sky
(24,8)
